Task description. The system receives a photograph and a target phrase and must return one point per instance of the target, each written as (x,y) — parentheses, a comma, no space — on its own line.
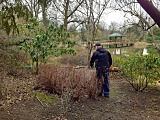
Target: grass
(44,97)
(153,50)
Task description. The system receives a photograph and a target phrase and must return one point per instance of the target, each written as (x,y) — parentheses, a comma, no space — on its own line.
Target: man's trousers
(103,80)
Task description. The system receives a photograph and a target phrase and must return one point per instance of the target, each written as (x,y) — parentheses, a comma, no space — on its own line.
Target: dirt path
(124,104)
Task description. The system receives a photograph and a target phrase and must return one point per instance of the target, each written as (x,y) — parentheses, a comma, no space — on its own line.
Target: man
(103,61)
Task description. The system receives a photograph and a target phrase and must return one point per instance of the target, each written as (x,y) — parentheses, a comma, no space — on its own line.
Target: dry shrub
(13,60)
(79,59)
(76,84)
(140,44)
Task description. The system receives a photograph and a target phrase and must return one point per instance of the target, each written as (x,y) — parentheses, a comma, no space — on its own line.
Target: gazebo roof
(116,35)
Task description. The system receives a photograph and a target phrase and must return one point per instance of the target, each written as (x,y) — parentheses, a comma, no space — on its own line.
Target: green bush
(44,43)
(149,39)
(140,70)
(157,37)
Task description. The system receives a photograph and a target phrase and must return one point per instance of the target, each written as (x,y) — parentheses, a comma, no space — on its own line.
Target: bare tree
(86,12)
(146,11)
(93,12)
(150,8)
(114,27)
(133,8)
(38,7)
(139,17)
(33,6)
(68,10)
(45,4)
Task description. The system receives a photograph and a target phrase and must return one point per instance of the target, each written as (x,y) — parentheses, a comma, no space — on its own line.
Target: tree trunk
(44,14)
(66,14)
(148,6)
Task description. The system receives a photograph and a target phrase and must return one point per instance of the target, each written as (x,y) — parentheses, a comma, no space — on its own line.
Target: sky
(113,16)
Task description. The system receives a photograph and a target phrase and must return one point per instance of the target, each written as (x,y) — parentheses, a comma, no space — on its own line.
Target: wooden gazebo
(115,36)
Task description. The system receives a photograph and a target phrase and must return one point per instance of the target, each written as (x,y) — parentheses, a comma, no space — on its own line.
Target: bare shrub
(79,59)
(75,84)
(13,61)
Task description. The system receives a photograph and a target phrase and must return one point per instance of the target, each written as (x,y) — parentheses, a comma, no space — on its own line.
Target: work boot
(107,96)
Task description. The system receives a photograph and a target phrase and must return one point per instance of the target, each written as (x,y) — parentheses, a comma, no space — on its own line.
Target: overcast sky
(112,16)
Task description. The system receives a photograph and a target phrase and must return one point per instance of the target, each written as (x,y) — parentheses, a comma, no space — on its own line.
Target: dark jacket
(102,58)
